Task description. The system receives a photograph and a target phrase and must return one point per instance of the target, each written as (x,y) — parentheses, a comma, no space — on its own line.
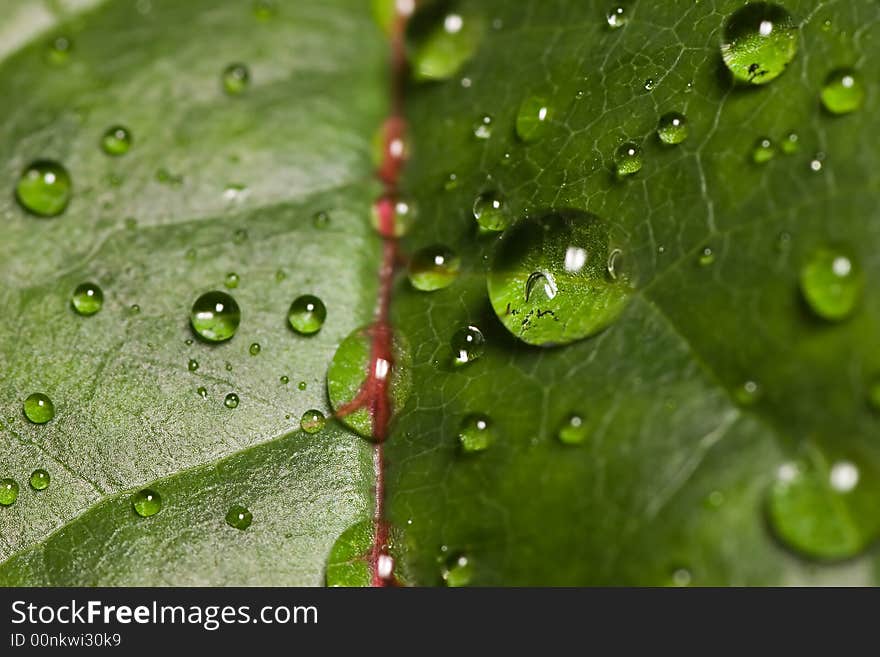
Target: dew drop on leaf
(573,430)
(231,281)
(307,314)
(254,349)
(468,344)
(301,385)
(490,211)
(433,268)
(457,571)
(559,277)
(763,151)
(44,188)
(843,91)
(832,283)
(8,491)
(202,392)
(116,140)
(616,17)
(59,49)
(447,47)
(759,41)
(231,400)
(483,127)
(673,128)
(533,119)
(627,159)
(192,365)
(475,433)
(748,393)
(312,421)
(38,408)
(706,257)
(40,479)
(235,78)
(238,517)
(87,299)
(146,502)
(791,144)
(215,316)
(321,220)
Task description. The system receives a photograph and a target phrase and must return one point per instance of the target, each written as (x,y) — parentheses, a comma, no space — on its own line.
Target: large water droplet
(44,188)
(116,140)
(40,479)
(312,421)
(215,316)
(458,571)
(87,299)
(349,371)
(559,277)
(38,408)
(673,128)
(307,314)
(832,284)
(843,91)
(468,344)
(475,433)
(533,119)
(627,159)
(447,47)
(759,41)
(490,212)
(239,517)
(433,268)
(146,502)
(236,78)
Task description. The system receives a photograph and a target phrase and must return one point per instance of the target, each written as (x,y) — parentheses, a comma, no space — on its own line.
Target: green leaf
(693,403)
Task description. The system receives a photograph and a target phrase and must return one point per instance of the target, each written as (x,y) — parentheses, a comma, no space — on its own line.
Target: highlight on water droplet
(672,128)
(307,314)
(38,408)
(116,140)
(832,283)
(433,268)
(8,491)
(468,344)
(475,433)
(843,91)
(759,41)
(458,570)
(559,277)
(533,119)
(443,50)
(146,502)
(573,430)
(215,316)
(312,421)
(87,299)
(238,517)
(40,479)
(235,78)
(763,151)
(231,400)
(44,188)
(627,159)
(616,17)
(490,211)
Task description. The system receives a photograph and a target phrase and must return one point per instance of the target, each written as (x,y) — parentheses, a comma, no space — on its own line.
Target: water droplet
(351,368)
(823,508)
(254,349)
(228,366)
(458,571)
(301,385)
(759,41)
(790,145)
(559,277)
(236,79)
(681,577)
(832,283)
(116,140)
(817,162)
(192,365)
(748,393)
(231,400)
(468,344)
(475,433)
(231,281)
(312,421)
(44,188)
(616,17)
(673,128)
(573,431)
(627,159)
(38,408)
(843,91)
(202,392)
(763,151)
(307,314)
(392,217)
(444,50)
(284,379)
(433,268)
(134,309)
(533,119)
(707,257)
(8,491)
(490,211)
(215,316)
(240,236)
(649,84)
(451,182)
(265,10)
(320,220)
(40,479)
(280,275)
(87,299)
(238,517)
(146,502)
(483,127)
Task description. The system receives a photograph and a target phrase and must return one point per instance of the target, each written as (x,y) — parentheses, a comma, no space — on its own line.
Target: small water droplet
(44,188)
(254,349)
(748,393)
(146,502)
(284,379)
(301,385)
(87,299)
(533,119)
(843,91)
(240,236)
(236,78)
(192,365)
(312,421)
(116,140)
(490,211)
(215,316)
(763,151)
(40,479)
(451,182)
(627,159)
(444,51)
(468,344)
(280,275)
(649,84)
(265,10)
(38,408)
(707,257)
(817,162)
(228,366)
(202,392)
(433,268)
(307,314)
(8,491)
(791,145)
(238,517)
(321,220)
(673,128)
(231,280)
(759,41)
(616,17)
(475,433)
(457,571)
(573,431)
(134,309)
(832,283)
(231,400)
(483,127)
